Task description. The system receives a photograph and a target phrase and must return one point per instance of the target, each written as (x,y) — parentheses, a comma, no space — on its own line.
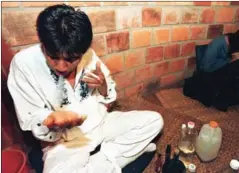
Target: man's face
(62,66)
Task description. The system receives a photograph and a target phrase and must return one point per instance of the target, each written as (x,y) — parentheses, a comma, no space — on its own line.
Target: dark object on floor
(218,89)
(139,165)
(173,165)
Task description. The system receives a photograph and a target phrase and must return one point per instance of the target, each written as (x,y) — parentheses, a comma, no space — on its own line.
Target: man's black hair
(63,31)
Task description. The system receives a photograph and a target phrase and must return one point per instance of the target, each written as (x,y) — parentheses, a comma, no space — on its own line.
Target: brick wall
(146,45)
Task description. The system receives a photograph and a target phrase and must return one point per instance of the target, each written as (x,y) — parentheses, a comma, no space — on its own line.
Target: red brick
(225,15)
(161,35)
(190,15)
(230,28)
(237,16)
(172,51)
(117,41)
(139,3)
(234,2)
(202,3)
(18,28)
(40,4)
(124,79)
(161,69)
(207,15)
(128,17)
(134,89)
(175,3)
(154,54)
(151,16)
(83,3)
(221,3)
(115,63)
(171,15)
(191,63)
(184,3)
(134,58)
(143,73)
(102,20)
(141,38)
(214,31)
(98,45)
(188,49)
(170,80)
(180,33)
(120,94)
(198,32)
(115,3)
(177,65)
(165,3)
(10,4)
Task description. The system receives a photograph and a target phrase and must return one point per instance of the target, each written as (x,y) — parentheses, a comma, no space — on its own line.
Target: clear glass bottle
(188,138)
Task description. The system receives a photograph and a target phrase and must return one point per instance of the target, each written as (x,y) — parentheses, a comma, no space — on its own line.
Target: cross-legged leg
(74,160)
(128,135)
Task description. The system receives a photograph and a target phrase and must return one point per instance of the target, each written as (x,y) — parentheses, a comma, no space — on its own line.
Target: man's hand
(96,79)
(63,119)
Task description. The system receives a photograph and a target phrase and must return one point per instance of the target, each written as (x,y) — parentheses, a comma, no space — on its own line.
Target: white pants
(123,137)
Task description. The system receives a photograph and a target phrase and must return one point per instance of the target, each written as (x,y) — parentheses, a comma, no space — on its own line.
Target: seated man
(60,86)
(220,52)
(217,81)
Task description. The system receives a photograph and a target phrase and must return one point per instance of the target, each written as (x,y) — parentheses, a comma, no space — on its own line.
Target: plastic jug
(209,141)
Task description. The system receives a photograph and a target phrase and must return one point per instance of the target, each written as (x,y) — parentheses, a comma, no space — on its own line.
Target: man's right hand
(63,119)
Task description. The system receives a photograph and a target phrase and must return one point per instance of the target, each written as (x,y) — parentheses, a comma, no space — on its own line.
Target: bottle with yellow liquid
(188,138)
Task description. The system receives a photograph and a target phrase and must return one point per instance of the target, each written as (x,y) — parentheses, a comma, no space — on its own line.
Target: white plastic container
(234,164)
(209,141)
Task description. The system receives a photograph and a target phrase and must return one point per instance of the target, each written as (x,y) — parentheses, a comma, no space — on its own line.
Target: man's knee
(157,120)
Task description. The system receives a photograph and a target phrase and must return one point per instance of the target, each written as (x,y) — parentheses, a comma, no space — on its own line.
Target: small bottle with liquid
(188,138)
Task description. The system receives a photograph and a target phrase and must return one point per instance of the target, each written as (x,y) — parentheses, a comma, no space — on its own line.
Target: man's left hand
(96,79)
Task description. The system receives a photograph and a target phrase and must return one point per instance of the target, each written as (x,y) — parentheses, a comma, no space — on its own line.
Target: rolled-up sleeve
(31,110)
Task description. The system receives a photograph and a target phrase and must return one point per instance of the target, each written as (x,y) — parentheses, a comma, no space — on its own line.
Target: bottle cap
(192,167)
(191,124)
(183,126)
(213,124)
(234,164)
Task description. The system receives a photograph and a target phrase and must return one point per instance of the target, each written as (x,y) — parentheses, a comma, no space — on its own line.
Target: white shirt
(37,92)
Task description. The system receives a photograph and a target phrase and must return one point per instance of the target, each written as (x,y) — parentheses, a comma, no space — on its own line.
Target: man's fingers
(94,85)
(98,67)
(49,122)
(92,75)
(90,80)
(61,122)
(80,120)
